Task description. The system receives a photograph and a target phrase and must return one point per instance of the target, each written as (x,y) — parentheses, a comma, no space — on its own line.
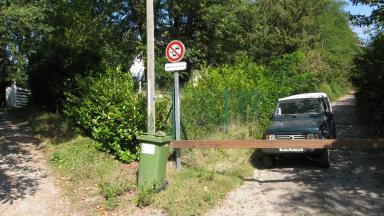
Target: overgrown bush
(107,107)
(369,78)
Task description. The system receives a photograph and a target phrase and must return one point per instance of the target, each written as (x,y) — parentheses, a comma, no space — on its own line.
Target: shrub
(108,108)
(369,78)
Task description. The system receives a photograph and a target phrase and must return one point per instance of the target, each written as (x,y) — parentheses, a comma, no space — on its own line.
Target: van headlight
(271,136)
(310,136)
(313,136)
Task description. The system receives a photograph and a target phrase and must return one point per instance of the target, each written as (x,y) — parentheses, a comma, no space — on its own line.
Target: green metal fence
(207,112)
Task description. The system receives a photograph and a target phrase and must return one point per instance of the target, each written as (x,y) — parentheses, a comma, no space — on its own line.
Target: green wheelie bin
(153,160)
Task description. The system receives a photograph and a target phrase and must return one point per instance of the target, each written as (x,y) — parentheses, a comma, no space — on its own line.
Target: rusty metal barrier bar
(257,144)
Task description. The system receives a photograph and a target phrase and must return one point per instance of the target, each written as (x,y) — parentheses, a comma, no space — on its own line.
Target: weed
(57,158)
(111,191)
(145,197)
(205,175)
(223,153)
(111,204)
(208,196)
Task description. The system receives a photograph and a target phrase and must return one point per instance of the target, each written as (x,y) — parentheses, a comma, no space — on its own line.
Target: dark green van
(298,117)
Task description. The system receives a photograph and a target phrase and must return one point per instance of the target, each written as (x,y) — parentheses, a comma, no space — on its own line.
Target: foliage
(247,92)
(334,90)
(145,197)
(52,70)
(79,160)
(338,44)
(376,17)
(86,174)
(203,103)
(21,24)
(107,108)
(274,48)
(207,176)
(51,126)
(86,40)
(368,72)
(369,78)
(111,191)
(86,37)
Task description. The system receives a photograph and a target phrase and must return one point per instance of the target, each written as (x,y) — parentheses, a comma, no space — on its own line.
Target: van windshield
(299,107)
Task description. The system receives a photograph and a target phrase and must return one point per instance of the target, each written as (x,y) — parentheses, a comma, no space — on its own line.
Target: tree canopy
(368,75)
(46,43)
(75,56)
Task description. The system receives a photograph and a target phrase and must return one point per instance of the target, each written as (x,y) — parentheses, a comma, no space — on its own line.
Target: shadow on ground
(354,185)
(18,176)
(355,182)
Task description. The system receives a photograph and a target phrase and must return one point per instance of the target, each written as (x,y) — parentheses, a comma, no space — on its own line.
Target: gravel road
(354,185)
(26,185)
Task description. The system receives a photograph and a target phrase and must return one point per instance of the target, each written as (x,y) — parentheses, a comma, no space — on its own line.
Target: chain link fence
(204,113)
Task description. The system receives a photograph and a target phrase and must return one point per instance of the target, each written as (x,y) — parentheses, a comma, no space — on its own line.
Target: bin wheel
(165,185)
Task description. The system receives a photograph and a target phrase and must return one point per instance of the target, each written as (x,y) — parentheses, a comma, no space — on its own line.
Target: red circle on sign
(175,51)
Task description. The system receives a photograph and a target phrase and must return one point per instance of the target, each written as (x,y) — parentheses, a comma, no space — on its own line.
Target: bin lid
(154,138)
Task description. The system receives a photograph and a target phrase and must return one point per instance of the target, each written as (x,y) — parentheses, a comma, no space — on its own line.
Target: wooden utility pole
(150,68)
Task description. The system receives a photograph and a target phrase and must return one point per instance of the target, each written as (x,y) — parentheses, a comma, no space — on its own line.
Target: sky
(362,10)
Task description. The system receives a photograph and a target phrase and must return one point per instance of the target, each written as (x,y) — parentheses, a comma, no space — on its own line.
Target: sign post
(175,52)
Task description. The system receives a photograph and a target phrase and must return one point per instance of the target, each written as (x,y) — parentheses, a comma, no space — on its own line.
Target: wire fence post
(226,114)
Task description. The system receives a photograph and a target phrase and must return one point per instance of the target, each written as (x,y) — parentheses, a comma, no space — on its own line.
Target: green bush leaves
(108,108)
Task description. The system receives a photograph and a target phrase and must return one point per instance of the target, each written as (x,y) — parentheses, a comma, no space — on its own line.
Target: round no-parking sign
(175,51)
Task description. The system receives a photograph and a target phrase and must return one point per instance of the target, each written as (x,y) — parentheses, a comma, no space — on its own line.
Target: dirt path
(26,185)
(354,185)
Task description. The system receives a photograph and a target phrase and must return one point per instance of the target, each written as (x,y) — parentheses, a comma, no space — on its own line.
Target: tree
(337,43)
(376,17)
(22,23)
(55,40)
(87,39)
(369,68)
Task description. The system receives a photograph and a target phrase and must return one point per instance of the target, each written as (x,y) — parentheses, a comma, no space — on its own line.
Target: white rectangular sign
(147,148)
(178,66)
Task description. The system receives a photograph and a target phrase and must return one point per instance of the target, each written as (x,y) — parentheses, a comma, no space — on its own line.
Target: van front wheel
(324,161)
(269,161)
